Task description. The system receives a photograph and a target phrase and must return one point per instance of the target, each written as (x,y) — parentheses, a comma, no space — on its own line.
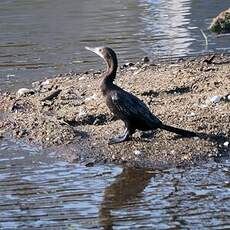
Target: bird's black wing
(132,108)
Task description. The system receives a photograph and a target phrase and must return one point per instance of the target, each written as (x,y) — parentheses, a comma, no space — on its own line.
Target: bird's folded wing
(132,107)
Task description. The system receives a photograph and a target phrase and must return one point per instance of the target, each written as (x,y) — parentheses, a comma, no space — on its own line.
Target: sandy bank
(68,113)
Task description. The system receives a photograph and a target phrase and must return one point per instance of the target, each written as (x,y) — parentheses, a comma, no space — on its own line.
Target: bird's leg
(126,136)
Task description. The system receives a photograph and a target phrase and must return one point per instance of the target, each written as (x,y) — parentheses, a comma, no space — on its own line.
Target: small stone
(137,72)
(138,152)
(89,164)
(128,64)
(93,97)
(145,59)
(81,78)
(46,82)
(25,91)
(215,99)
(133,68)
(10,75)
(96,121)
(192,114)
(82,112)
(227,97)
(226,143)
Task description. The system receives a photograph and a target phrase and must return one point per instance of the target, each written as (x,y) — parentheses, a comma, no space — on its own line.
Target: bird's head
(106,53)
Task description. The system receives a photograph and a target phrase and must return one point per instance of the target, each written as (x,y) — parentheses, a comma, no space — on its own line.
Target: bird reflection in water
(127,187)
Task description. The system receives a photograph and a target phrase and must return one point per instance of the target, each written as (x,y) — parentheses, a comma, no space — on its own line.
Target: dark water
(44,37)
(39,192)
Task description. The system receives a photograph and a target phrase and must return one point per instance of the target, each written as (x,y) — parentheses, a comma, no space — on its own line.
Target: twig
(205,37)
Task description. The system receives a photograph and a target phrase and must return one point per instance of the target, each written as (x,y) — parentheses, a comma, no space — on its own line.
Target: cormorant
(127,107)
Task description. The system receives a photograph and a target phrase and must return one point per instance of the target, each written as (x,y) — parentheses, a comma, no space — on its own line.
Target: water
(41,38)
(39,192)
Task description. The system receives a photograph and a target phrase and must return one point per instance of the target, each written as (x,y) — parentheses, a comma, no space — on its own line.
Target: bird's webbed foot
(120,139)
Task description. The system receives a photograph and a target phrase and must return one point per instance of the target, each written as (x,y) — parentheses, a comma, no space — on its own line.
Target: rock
(24,92)
(52,95)
(145,59)
(215,99)
(226,143)
(221,23)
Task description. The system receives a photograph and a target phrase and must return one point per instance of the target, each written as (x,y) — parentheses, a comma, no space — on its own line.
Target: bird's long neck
(109,75)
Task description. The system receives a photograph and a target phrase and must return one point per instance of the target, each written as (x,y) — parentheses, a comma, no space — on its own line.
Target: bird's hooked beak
(96,50)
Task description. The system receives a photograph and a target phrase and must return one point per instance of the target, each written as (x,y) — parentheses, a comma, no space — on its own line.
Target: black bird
(127,107)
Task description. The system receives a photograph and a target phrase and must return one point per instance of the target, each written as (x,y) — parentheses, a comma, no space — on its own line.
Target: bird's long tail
(182,132)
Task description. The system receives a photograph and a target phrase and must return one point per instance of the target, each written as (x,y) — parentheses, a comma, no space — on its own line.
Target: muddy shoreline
(67,113)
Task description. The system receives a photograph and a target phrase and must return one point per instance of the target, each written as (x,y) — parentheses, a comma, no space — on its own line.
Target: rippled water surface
(44,37)
(41,38)
(37,191)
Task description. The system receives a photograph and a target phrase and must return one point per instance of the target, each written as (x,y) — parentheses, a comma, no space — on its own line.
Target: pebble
(133,68)
(81,78)
(215,99)
(145,59)
(24,91)
(46,82)
(82,112)
(226,143)
(10,75)
(89,164)
(138,152)
(93,97)
(128,64)
(192,114)
(137,72)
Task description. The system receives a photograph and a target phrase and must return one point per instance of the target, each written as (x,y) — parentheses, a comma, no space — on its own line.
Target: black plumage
(127,107)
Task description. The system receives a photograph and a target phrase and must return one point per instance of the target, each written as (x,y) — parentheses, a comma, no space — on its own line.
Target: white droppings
(215,99)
